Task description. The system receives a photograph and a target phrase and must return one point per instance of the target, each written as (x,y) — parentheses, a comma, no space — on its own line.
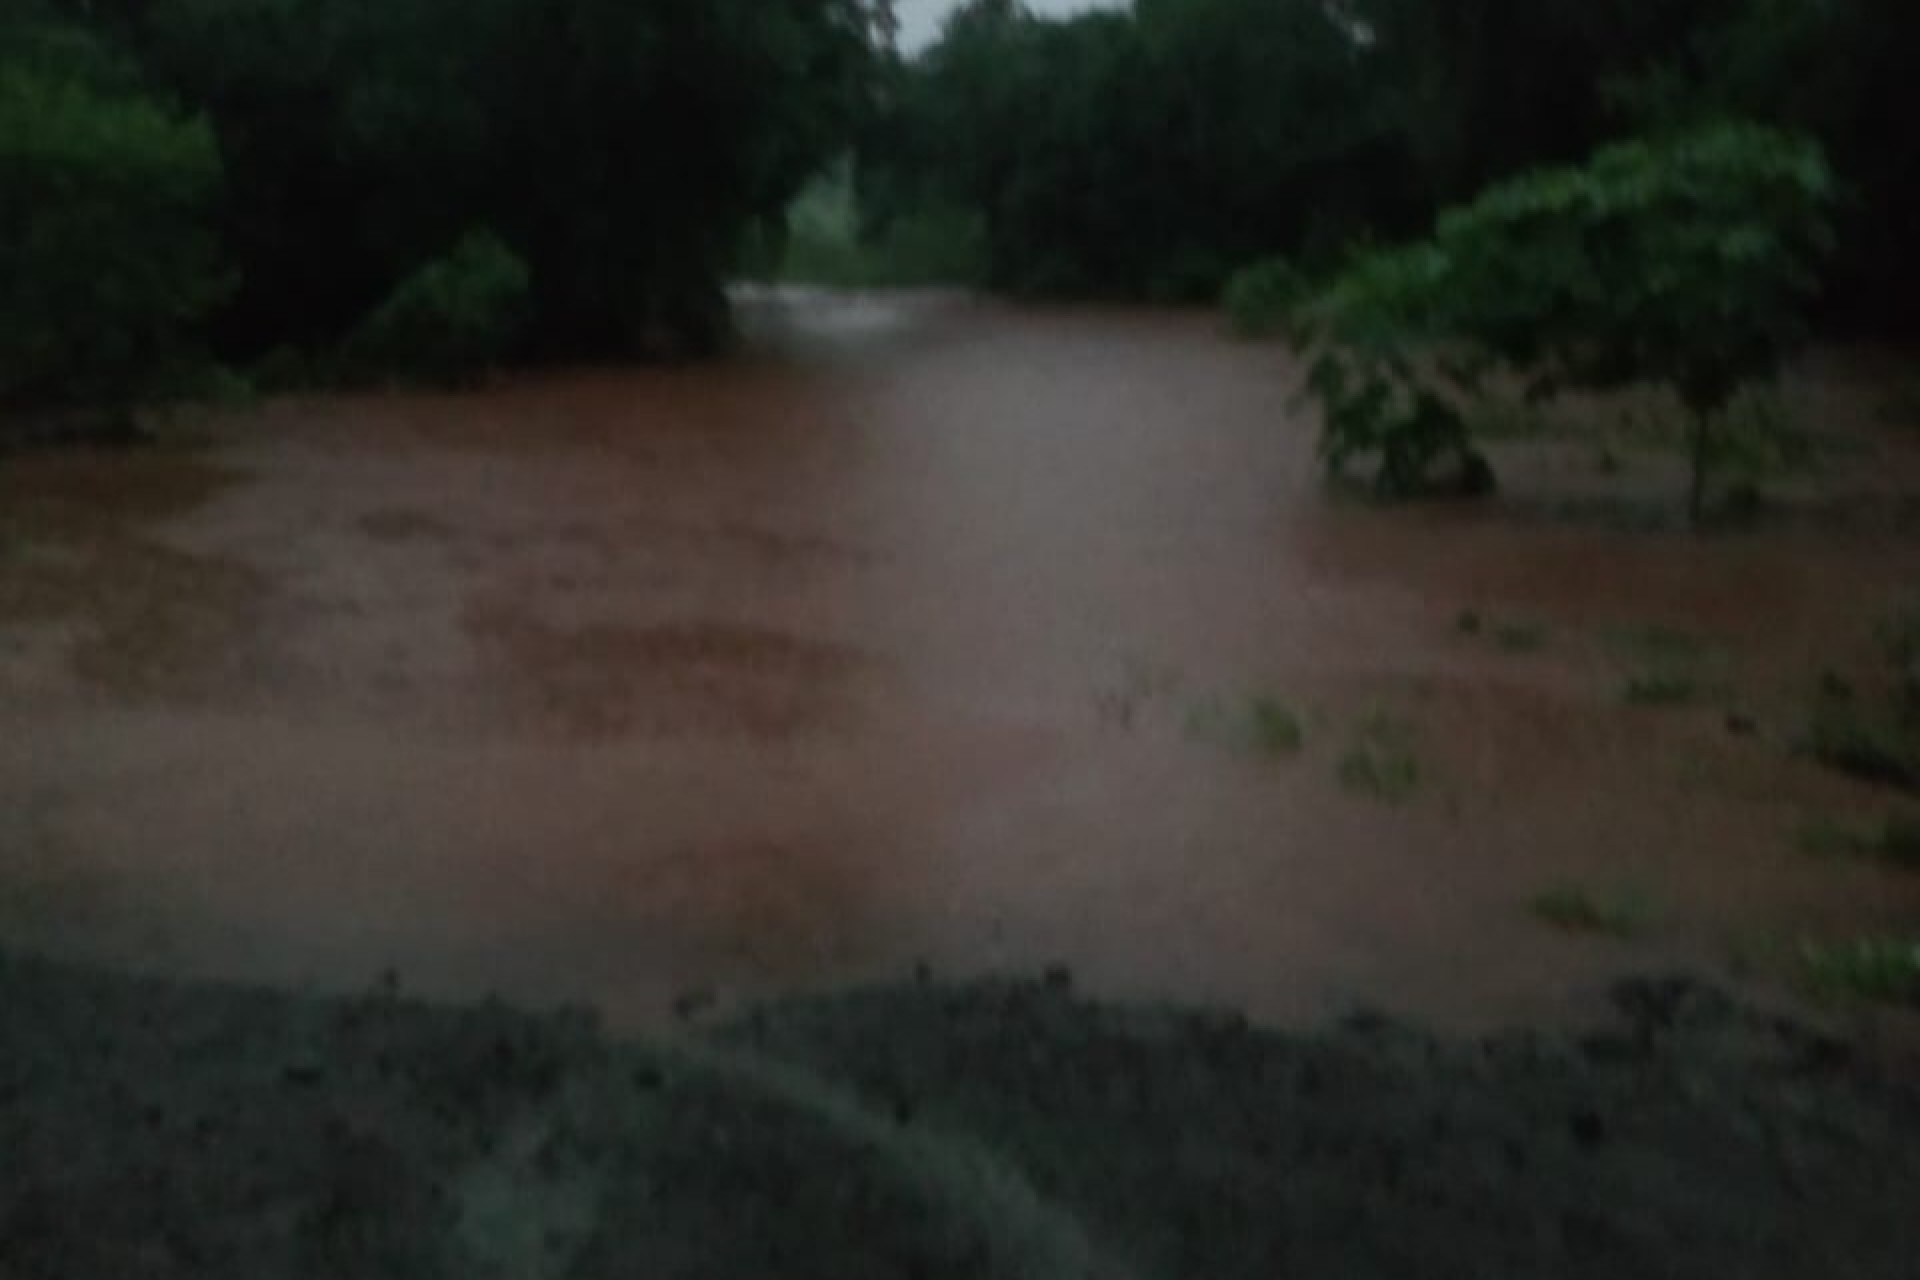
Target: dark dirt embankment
(158,1130)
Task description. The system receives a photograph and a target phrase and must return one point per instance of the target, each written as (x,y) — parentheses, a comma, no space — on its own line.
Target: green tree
(619,148)
(108,263)
(1686,261)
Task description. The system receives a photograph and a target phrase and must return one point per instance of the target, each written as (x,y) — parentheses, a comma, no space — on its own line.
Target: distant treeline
(1149,152)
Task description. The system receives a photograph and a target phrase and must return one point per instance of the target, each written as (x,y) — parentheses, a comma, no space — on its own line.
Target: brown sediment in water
(883,643)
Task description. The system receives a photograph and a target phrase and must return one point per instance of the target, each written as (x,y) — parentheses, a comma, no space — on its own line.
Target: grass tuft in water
(1662,689)
(1381,762)
(1847,740)
(1879,969)
(1521,637)
(1612,913)
(1893,842)
(1667,667)
(1262,726)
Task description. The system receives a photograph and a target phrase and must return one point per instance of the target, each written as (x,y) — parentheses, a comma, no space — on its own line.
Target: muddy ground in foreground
(1003,1130)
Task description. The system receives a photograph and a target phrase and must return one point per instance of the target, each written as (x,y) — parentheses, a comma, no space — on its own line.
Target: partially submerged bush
(457,312)
(1614,913)
(1683,261)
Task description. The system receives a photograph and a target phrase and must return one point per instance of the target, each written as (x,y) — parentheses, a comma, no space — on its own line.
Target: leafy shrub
(453,314)
(1259,299)
(1684,261)
(107,264)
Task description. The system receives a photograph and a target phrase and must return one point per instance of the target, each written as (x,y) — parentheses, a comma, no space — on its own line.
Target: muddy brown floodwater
(917,633)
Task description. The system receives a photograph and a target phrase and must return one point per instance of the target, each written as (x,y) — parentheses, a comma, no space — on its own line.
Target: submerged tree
(1686,262)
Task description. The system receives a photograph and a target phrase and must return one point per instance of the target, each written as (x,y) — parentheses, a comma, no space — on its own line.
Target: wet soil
(904,636)
(1006,1129)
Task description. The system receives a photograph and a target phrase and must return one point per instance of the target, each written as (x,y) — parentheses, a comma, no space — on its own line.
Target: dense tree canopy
(617,149)
(1150,151)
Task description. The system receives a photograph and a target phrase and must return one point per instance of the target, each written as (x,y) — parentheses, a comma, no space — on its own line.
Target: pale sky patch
(920,19)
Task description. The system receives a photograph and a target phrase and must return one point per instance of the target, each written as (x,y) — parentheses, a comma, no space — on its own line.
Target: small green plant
(1260,298)
(1662,689)
(1892,841)
(1521,637)
(1880,969)
(1381,762)
(1275,729)
(1657,643)
(1614,913)
(1263,726)
(1846,739)
(1666,667)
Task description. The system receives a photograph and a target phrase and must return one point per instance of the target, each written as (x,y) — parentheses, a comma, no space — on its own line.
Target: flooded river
(921,633)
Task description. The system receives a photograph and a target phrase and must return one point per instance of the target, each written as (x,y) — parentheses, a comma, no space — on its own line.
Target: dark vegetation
(1743,155)
(1152,152)
(317,189)
(421,186)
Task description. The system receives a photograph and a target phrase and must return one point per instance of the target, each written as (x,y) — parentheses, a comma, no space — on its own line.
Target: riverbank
(1000,1129)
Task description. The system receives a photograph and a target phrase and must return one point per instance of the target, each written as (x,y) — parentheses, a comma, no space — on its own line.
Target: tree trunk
(1697,493)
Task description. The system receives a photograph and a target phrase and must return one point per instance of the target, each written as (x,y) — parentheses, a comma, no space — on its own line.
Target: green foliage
(457,312)
(1879,969)
(1874,739)
(1381,761)
(1264,726)
(1663,689)
(1520,637)
(1260,298)
(1616,913)
(1139,153)
(1684,261)
(621,149)
(1665,667)
(1851,740)
(107,260)
(1375,405)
